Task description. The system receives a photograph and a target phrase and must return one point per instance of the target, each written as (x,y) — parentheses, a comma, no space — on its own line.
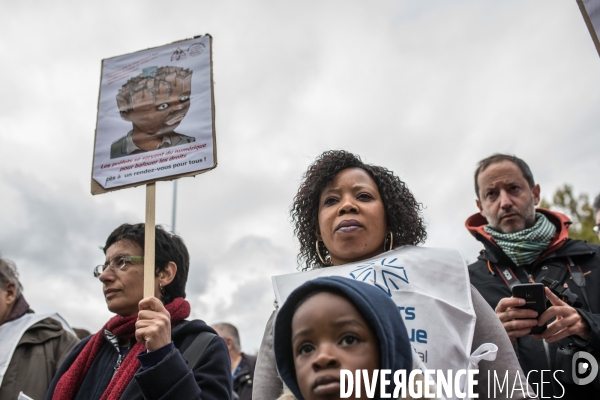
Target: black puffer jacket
(531,353)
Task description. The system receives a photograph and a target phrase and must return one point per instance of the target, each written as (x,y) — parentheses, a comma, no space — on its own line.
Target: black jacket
(171,378)
(531,353)
(244,376)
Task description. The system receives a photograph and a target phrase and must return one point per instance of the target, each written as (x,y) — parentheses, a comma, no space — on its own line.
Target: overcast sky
(424,88)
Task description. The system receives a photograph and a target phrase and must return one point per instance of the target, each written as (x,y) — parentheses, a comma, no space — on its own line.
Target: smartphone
(535,299)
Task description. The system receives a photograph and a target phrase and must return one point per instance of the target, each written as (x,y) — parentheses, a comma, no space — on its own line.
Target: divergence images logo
(584,368)
(385,277)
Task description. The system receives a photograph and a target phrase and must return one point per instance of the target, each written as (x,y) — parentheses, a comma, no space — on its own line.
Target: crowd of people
(345,212)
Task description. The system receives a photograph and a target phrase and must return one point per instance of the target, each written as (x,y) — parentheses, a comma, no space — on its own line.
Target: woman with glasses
(139,352)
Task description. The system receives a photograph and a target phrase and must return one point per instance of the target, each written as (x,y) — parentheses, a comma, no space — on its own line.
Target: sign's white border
(199,155)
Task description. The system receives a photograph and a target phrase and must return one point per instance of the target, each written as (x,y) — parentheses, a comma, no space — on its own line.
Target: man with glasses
(597,214)
(32,346)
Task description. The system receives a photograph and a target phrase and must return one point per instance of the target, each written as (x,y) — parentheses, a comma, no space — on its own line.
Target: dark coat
(242,382)
(531,352)
(171,378)
(39,353)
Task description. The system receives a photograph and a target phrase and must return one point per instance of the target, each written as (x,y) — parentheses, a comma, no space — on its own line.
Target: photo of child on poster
(155,115)
(155,102)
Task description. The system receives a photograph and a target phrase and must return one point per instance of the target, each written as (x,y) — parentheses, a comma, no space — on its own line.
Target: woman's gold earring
(391,241)
(326,263)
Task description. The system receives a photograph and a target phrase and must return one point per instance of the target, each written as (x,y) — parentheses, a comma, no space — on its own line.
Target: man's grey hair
(228,330)
(596,204)
(9,274)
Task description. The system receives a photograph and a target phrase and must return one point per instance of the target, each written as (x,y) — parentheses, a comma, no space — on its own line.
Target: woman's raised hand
(153,327)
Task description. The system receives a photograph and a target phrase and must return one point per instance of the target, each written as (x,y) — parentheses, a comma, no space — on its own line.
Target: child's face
(329,334)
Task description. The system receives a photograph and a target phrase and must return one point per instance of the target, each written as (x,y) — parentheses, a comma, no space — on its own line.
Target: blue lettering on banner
(418,335)
(409,313)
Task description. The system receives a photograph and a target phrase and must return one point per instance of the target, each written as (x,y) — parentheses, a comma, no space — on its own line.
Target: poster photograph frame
(155,90)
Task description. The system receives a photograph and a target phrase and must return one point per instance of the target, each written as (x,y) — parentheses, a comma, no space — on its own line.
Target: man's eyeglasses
(119,262)
(596,229)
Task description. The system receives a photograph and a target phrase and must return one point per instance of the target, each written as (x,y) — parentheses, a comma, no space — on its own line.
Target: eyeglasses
(596,229)
(119,262)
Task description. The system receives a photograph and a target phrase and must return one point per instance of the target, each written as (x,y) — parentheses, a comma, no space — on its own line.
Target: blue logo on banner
(388,277)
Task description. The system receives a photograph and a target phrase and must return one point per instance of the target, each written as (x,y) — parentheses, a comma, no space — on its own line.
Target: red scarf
(124,328)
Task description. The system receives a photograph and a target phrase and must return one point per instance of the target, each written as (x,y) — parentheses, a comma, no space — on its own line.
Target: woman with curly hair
(347,211)
(383,198)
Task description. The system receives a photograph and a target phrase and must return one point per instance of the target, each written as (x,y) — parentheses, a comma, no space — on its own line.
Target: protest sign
(155,122)
(431,288)
(590,10)
(155,116)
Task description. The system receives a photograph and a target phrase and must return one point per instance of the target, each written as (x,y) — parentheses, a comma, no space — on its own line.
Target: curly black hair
(403,212)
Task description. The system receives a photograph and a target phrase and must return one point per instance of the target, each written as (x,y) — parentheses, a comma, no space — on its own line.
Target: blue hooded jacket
(380,312)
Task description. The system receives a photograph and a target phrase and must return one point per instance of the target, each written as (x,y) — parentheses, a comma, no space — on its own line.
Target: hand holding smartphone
(535,299)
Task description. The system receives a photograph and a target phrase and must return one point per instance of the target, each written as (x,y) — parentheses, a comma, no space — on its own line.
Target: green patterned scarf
(524,247)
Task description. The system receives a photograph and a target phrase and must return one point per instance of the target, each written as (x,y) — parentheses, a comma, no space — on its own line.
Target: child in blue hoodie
(331,324)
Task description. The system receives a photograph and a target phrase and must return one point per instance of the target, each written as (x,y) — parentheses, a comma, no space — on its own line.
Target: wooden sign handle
(149,240)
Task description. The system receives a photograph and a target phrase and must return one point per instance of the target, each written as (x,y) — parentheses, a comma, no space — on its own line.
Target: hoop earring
(391,241)
(325,263)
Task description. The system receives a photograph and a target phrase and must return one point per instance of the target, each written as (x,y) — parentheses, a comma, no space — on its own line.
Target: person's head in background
(10,288)
(346,211)
(334,323)
(230,334)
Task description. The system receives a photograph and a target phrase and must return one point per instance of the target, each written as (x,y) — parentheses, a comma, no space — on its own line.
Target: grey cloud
(239,288)
(197,277)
